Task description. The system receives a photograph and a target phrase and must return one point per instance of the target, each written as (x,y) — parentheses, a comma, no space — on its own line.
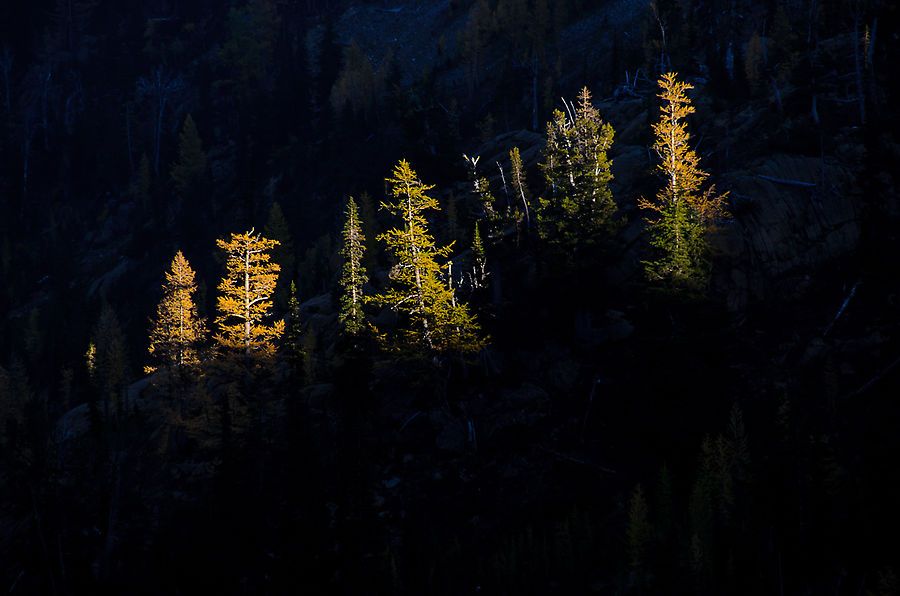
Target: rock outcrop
(793,216)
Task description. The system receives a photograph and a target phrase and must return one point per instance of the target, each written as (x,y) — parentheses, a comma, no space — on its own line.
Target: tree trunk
(247,300)
(534,93)
(128,139)
(860,92)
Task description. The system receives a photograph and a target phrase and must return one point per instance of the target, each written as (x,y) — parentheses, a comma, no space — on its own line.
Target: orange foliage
(246,290)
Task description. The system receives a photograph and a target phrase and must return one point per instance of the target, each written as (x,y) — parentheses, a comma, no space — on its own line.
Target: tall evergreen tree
(579,211)
(438,323)
(353,274)
(248,51)
(520,186)
(683,214)
(247,290)
(473,39)
(176,331)
(293,340)
(110,360)
(479,258)
(639,532)
(191,162)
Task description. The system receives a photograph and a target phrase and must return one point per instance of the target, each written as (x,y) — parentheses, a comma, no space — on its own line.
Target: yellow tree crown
(176,331)
(683,215)
(246,292)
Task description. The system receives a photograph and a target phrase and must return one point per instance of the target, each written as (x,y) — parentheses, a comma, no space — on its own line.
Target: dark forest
(449,297)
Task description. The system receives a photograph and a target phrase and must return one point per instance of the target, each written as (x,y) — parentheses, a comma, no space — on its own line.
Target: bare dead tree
(161,88)
(856,11)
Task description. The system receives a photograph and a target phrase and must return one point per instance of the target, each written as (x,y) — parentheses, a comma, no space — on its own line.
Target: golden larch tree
(246,296)
(683,215)
(176,332)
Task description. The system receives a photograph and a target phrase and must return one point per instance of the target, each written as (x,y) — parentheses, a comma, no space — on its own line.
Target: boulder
(791,220)
(323,304)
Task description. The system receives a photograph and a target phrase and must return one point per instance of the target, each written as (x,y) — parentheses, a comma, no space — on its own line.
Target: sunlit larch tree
(175,331)
(438,323)
(246,292)
(353,274)
(683,215)
(579,210)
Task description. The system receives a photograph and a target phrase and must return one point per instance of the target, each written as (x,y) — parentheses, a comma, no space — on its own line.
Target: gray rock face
(791,220)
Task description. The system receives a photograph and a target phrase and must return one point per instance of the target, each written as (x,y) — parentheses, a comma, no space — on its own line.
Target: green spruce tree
(353,274)
(293,336)
(191,162)
(479,258)
(436,323)
(579,212)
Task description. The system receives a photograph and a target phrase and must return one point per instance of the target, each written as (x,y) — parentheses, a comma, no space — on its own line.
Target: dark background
(758,418)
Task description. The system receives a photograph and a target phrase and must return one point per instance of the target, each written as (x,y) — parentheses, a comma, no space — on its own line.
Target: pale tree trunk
(247,300)
(534,93)
(860,93)
(159,115)
(45,108)
(128,138)
(414,249)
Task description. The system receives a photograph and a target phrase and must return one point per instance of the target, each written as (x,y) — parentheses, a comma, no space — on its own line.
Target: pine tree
(683,215)
(438,323)
(480,259)
(513,18)
(191,162)
(252,35)
(355,85)
(176,331)
(247,290)
(520,186)
(353,274)
(639,530)
(580,209)
(753,61)
(293,335)
(109,360)
(473,39)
